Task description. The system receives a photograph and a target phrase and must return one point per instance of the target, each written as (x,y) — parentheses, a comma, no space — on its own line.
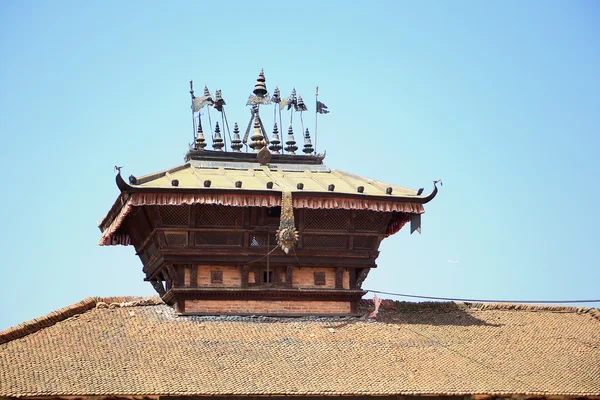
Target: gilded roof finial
(257,139)
(275,146)
(308,147)
(236,143)
(290,142)
(218,141)
(260,89)
(200,140)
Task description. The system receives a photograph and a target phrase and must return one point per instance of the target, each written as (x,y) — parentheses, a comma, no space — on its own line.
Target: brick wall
(231,276)
(267,307)
(303,278)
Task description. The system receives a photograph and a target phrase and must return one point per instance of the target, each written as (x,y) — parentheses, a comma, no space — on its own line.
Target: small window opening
(216,276)
(319,278)
(267,276)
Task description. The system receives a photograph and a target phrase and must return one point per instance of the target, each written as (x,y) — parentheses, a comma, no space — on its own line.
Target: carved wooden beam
(245,272)
(158,286)
(289,275)
(194,275)
(339,278)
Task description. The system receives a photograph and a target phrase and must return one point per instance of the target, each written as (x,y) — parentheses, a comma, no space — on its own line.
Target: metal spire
(218,141)
(200,140)
(275,146)
(236,143)
(261,95)
(260,88)
(257,138)
(290,142)
(308,148)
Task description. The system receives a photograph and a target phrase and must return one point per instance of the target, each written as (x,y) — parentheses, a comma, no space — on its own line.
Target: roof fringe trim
(395,305)
(36,324)
(110,237)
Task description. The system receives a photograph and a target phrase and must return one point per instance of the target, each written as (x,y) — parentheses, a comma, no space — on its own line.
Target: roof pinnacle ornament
(200,140)
(290,142)
(275,146)
(261,95)
(218,141)
(308,148)
(260,89)
(236,143)
(257,139)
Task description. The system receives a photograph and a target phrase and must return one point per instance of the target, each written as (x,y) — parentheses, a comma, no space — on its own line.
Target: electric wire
(482,300)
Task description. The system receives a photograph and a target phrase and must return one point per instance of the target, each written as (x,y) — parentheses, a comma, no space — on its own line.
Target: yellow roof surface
(256,177)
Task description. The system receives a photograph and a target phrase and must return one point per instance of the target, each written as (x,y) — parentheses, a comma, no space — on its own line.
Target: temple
(266,231)
(259,257)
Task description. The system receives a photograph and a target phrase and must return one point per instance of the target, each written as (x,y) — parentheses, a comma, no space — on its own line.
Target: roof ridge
(36,324)
(388,304)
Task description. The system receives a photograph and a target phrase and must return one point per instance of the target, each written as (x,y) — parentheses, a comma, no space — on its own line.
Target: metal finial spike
(275,145)
(257,141)
(290,142)
(218,140)
(236,142)
(206,92)
(200,139)
(308,147)
(260,88)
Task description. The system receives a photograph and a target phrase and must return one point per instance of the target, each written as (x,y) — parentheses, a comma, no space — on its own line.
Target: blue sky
(499,99)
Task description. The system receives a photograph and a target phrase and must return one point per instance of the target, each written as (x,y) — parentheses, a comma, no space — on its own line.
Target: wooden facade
(215,252)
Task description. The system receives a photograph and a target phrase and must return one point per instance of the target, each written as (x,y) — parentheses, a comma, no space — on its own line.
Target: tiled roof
(129,346)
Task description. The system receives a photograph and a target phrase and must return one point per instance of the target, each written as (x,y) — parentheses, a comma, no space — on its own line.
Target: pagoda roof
(240,180)
(141,347)
(314,179)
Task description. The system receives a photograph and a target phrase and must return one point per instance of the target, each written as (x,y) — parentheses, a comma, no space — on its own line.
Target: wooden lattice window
(218,238)
(322,241)
(333,220)
(217,215)
(364,242)
(176,239)
(369,221)
(174,215)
